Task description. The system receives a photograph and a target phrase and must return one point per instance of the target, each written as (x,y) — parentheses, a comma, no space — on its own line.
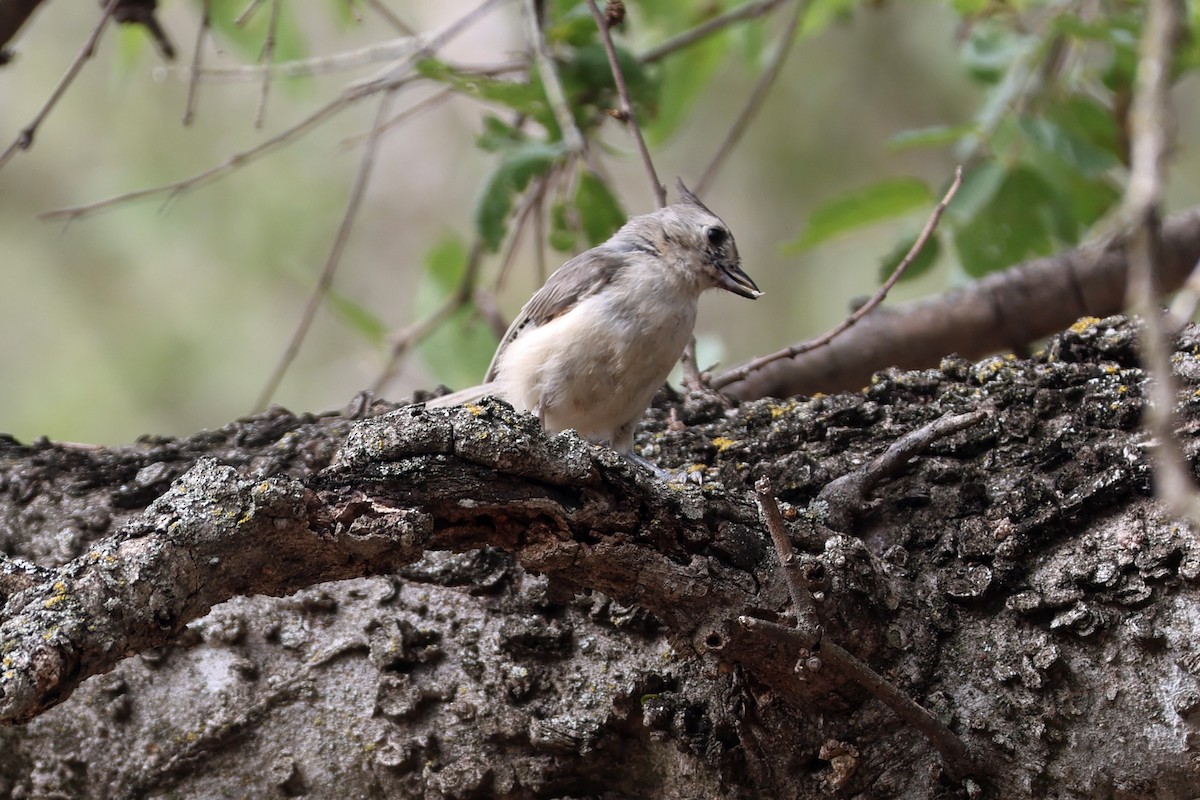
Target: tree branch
(1002,311)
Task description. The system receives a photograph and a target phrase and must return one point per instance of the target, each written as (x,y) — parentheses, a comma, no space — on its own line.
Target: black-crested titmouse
(593,345)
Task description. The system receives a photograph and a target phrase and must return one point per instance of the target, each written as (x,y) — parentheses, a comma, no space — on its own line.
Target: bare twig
(807,624)
(734,375)
(389,50)
(267,55)
(434,100)
(391,17)
(247,13)
(693,379)
(24,139)
(1186,301)
(366,167)
(551,85)
(414,333)
(189,106)
(626,111)
(846,495)
(705,29)
(761,88)
(529,210)
(1151,122)
(393,78)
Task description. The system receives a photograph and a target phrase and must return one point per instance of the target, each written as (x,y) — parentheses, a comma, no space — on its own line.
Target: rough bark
(576,633)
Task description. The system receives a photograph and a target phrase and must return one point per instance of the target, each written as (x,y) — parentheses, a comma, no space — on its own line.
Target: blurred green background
(166,318)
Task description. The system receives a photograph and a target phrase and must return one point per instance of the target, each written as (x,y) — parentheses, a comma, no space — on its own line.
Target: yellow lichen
(1083,323)
(723,443)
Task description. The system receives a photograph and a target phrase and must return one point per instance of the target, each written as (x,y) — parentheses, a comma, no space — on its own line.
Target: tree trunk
(512,615)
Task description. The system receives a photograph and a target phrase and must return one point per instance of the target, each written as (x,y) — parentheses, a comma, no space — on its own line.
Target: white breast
(596,367)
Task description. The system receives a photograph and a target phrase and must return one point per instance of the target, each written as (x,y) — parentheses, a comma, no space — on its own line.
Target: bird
(590,348)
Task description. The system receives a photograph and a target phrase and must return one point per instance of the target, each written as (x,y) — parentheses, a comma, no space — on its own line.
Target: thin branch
(417,331)
(24,139)
(230,164)
(626,111)
(268,53)
(246,14)
(705,29)
(807,624)
(846,496)
(531,203)
(551,84)
(392,78)
(389,50)
(391,17)
(365,169)
(1151,122)
(434,100)
(189,106)
(761,88)
(735,375)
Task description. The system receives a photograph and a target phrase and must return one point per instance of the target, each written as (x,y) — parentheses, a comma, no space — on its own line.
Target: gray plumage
(593,345)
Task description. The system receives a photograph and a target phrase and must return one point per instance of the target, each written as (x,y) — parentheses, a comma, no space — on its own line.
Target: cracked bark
(575,632)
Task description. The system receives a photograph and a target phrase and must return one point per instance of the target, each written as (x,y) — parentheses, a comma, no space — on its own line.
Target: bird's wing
(581,277)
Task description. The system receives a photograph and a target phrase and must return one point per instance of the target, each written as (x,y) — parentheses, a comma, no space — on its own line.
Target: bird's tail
(472,395)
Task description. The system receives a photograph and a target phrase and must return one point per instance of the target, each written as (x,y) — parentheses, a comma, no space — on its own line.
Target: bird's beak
(731,278)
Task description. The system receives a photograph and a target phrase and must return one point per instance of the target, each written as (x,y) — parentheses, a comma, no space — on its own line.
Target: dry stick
(761,88)
(550,82)
(1187,299)
(626,110)
(807,624)
(808,635)
(417,331)
(434,100)
(391,17)
(245,16)
(703,30)
(229,165)
(24,139)
(1150,121)
(530,202)
(953,750)
(268,51)
(735,375)
(351,95)
(366,167)
(848,493)
(189,105)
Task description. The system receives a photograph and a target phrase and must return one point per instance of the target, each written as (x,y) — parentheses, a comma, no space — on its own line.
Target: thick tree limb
(1003,311)
(566,509)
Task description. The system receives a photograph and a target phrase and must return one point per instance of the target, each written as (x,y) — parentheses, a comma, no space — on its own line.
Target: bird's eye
(716,236)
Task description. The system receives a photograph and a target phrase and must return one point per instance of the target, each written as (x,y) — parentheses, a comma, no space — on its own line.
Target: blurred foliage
(1043,142)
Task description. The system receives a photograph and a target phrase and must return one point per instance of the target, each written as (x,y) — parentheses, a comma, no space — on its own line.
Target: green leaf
(358,317)
(445,264)
(1090,120)
(937,136)
(1021,220)
(1075,151)
(600,213)
(921,264)
(519,165)
(527,98)
(883,200)
(991,48)
(458,352)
